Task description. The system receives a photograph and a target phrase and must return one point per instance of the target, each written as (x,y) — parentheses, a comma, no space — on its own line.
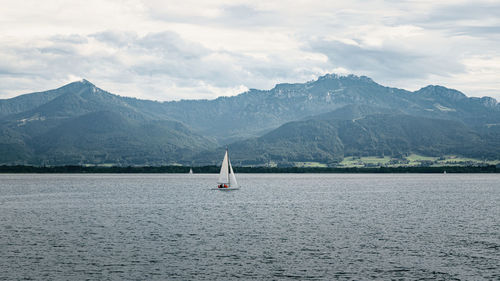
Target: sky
(171,50)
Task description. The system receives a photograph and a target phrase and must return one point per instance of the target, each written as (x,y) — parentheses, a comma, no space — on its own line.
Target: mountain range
(322,121)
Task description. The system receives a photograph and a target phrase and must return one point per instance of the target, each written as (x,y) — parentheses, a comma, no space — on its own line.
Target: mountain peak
(79,85)
(440,91)
(84,81)
(335,76)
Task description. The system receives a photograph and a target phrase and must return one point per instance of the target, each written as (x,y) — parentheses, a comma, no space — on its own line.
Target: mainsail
(224,170)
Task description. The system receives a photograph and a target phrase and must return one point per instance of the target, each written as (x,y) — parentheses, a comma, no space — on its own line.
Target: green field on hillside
(413,160)
(310,165)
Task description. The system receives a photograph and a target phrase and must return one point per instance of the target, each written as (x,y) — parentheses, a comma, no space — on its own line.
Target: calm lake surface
(278,226)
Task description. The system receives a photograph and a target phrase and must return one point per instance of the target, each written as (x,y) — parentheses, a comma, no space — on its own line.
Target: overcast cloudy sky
(169,50)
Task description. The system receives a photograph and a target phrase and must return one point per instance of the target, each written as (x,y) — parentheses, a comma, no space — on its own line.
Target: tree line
(215,169)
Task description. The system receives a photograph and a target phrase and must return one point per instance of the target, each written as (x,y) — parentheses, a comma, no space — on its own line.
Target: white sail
(224,171)
(232,178)
(226,176)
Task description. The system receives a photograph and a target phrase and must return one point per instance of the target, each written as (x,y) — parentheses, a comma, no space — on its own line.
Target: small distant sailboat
(190,171)
(227,179)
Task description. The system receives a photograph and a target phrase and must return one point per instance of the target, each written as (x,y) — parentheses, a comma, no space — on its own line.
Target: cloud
(382,61)
(115,38)
(69,39)
(480,19)
(471,11)
(167,50)
(127,63)
(242,15)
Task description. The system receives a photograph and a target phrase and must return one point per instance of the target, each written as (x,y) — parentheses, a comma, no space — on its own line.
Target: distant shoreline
(215,169)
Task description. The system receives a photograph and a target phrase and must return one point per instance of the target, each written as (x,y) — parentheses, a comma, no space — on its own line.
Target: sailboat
(227,179)
(190,170)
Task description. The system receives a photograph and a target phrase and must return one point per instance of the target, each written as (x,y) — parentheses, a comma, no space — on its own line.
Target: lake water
(278,226)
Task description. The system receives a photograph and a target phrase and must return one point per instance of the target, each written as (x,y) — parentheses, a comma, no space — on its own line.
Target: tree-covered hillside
(320,121)
(83,124)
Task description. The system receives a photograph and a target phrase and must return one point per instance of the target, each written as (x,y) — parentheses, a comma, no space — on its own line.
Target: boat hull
(225,188)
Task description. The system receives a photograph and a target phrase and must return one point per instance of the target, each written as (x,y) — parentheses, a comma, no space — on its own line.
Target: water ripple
(279,227)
